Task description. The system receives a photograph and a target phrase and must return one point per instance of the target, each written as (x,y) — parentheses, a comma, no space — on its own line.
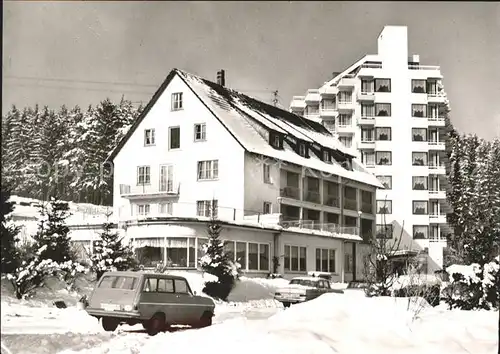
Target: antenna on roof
(275,98)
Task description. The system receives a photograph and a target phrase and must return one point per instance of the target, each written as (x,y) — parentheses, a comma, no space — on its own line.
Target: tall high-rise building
(390,110)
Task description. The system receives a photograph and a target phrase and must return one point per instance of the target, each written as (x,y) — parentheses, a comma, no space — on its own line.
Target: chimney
(221,77)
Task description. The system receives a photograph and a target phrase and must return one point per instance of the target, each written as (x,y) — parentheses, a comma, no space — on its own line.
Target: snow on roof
(234,108)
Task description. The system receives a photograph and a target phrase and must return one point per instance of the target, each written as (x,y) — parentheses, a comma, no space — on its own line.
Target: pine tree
(110,253)
(216,261)
(52,240)
(8,234)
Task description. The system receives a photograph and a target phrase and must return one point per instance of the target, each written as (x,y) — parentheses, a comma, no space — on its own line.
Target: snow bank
(332,323)
(248,289)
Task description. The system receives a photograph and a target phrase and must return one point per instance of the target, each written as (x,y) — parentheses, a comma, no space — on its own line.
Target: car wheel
(286,304)
(155,324)
(205,321)
(109,324)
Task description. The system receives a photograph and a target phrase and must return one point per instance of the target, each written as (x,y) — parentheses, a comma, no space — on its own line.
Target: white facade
(329,208)
(389,109)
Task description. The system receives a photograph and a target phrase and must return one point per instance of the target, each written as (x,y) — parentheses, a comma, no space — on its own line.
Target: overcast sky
(263,46)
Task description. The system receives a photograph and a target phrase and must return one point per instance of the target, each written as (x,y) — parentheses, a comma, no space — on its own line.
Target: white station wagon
(303,289)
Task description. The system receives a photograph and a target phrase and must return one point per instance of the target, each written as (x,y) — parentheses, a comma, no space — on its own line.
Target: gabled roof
(240,114)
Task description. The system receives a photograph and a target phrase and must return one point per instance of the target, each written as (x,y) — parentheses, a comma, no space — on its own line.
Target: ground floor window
(295,258)
(175,252)
(325,260)
(259,254)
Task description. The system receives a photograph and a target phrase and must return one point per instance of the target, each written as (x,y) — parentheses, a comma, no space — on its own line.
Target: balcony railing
(350,204)
(422,67)
(366,207)
(148,190)
(332,201)
(312,196)
(290,192)
(316,225)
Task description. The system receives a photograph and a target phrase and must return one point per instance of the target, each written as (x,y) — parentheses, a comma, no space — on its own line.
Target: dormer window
(302,149)
(275,140)
(326,155)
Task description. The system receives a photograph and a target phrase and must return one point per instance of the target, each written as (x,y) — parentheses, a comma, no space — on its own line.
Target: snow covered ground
(253,322)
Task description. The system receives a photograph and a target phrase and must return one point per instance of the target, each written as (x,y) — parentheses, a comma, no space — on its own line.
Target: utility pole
(275,98)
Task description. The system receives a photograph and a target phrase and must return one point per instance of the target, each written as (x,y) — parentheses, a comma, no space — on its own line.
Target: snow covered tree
(110,253)
(52,237)
(10,256)
(216,261)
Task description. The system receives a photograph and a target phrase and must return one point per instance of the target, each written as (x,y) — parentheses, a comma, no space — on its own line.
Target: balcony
(316,225)
(344,129)
(366,96)
(148,191)
(313,95)
(331,201)
(436,145)
(367,207)
(298,102)
(437,218)
(436,121)
(436,169)
(350,204)
(366,121)
(312,196)
(369,70)
(367,144)
(328,91)
(437,194)
(435,97)
(345,106)
(346,83)
(290,192)
(328,112)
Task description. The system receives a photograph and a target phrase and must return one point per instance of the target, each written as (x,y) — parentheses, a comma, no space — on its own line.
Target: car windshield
(304,282)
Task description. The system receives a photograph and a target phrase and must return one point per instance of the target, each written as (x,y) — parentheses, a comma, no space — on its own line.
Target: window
(384,231)
(181,287)
(346,140)
(420,231)
(367,135)
(366,202)
(176,101)
(419,134)
(345,97)
(366,231)
(312,109)
(143,209)
(149,137)
(329,125)
(258,254)
(367,110)
(275,141)
(151,285)
(204,208)
(419,183)
(420,207)
(386,181)
(419,110)
(350,198)
(143,175)
(165,208)
(325,260)
(368,158)
(302,150)
(367,86)
(418,86)
(433,111)
(165,285)
(419,158)
(268,208)
(200,132)
(326,156)
(166,178)
(382,85)
(295,258)
(345,120)
(384,206)
(208,170)
(267,173)
(383,109)
(114,282)
(384,158)
(328,104)
(432,87)
(175,137)
(383,133)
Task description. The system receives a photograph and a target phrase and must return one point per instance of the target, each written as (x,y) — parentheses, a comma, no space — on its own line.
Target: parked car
(155,300)
(356,287)
(303,289)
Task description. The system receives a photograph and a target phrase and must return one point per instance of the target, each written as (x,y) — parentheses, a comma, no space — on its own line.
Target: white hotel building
(285,188)
(389,110)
